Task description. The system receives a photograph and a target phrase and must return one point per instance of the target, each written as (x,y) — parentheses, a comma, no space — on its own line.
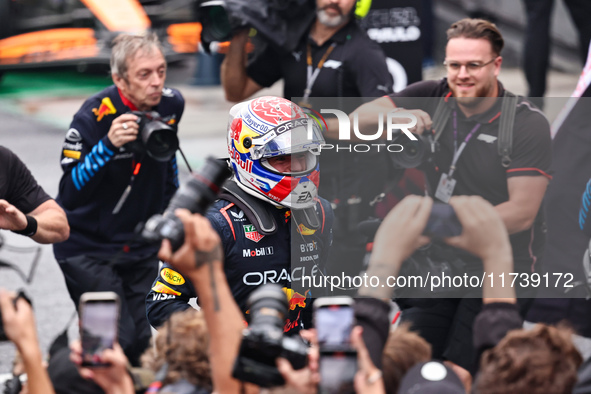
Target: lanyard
(135,170)
(311,73)
(458,152)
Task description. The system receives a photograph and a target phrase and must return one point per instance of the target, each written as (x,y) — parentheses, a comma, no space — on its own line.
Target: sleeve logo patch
(73,136)
(172,277)
(163,289)
(72,154)
(106,108)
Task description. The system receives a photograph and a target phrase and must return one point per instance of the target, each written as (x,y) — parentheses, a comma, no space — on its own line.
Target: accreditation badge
(445,188)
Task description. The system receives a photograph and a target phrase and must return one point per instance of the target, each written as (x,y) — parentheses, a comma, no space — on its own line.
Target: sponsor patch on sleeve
(172,277)
(160,287)
(72,154)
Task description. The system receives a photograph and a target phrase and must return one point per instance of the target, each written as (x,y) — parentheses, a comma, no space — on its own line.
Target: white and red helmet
(268,127)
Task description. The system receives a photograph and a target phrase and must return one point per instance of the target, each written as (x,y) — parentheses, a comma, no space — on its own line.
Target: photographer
(109,185)
(25,208)
(19,325)
(478,148)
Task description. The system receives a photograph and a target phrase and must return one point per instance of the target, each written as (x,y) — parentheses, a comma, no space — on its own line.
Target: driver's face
(289,163)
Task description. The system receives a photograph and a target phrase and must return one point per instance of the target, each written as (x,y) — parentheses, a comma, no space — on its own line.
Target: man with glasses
(465,160)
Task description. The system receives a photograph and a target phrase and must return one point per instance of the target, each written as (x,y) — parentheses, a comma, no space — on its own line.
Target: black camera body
(156,138)
(263,341)
(282,23)
(195,195)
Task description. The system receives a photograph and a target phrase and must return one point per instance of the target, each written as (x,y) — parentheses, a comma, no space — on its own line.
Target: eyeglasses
(471,67)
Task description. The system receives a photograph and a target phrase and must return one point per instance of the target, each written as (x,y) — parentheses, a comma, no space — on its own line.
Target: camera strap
(506,124)
(312,73)
(136,166)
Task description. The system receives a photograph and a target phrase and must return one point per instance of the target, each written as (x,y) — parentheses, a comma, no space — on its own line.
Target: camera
(156,138)
(413,154)
(281,22)
(13,385)
(263,340)
(21,294)
(195,195)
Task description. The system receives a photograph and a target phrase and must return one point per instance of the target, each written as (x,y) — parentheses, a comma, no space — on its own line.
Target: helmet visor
(300,139)
(295,164)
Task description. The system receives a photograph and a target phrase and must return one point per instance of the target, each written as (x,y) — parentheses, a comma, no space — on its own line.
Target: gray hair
(125,46)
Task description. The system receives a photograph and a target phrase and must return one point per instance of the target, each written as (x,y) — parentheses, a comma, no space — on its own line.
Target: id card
(445,188)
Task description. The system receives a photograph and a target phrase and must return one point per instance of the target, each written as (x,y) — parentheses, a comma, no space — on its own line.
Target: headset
(362,8)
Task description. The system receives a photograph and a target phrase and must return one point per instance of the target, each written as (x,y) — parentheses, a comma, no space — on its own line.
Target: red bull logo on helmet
(246,165)
(106,108)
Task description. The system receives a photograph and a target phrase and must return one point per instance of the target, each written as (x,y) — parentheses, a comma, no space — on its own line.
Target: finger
(6,306)
(76,352)
(189,225)
(427,121)
(22,305)
(165,252)
(422,241)
(4,301)
(422,213)
(284,367)
(86,373)
(310,335)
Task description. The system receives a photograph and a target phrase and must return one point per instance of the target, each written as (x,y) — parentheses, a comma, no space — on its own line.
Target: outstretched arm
(19,325)
(238,86)
(201,260)
(52,224)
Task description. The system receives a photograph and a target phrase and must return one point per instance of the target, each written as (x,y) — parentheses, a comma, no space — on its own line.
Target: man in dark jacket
(109,186)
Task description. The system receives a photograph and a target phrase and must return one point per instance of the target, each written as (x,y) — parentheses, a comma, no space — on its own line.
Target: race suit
(253,259)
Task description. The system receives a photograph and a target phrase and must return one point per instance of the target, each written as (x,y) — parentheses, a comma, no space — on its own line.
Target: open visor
(305,138)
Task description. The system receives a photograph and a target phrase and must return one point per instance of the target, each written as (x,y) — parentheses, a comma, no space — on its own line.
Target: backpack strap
(440,119)
(506,125)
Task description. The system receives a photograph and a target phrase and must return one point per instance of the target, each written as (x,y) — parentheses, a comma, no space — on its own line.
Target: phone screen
(98,329)
(337,372)
(333,325)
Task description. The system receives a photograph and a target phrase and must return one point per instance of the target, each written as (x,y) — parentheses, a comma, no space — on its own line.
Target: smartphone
(334,319)
(442,222)
(99,319)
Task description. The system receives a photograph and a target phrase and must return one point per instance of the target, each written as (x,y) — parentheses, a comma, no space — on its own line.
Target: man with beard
(465,160)
(336,59)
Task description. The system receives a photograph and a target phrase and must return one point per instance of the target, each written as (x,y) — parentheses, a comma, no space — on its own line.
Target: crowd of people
(290,212)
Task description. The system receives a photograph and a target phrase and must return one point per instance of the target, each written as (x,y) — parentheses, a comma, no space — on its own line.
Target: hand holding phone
(442,222)
(99,318)
(334,320)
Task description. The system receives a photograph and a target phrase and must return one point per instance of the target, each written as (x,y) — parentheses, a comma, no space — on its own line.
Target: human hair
(125,46)
(404,349)
(477,28)
(538,361)
(183,343)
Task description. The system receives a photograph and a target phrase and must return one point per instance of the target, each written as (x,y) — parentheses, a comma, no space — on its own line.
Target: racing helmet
(265,128)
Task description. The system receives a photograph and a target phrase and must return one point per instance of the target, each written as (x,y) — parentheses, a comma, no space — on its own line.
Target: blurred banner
(397,25)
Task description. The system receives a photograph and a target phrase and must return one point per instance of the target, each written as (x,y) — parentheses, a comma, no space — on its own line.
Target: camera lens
(268,305)
(160,139)
(412,154)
